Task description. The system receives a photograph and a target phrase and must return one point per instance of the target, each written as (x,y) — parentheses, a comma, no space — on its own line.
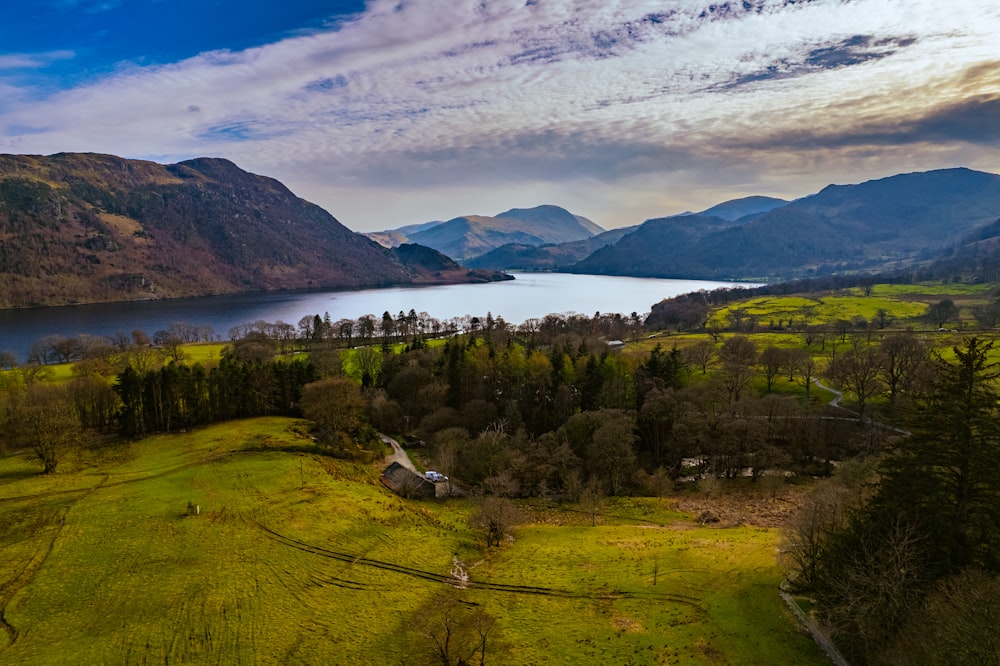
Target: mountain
(80,228)
(395,237)
(516,256)
(661,247)
(739,209)
(556,224)
(465,237)
(876,225)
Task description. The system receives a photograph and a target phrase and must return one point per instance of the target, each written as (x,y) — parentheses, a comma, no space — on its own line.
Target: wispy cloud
(539,97)
(15,61)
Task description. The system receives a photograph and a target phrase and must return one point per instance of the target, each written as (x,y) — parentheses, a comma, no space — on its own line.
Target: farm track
(353,559)
(34,565)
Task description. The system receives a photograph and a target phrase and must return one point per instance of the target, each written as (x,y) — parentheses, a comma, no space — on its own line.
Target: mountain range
(80,228)
(879,225)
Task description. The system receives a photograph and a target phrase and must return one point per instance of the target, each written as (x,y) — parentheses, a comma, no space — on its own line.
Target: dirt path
(398,454)
(837,395)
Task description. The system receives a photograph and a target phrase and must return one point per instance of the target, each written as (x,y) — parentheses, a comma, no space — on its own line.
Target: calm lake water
(530,295)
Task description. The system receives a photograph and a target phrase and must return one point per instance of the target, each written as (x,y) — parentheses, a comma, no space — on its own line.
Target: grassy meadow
(297,558)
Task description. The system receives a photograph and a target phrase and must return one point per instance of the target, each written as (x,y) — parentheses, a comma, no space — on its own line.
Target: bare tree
(611,453)
(592,500)
(495,516)
(455,633)
(41,418)
(772,361)
(700,354)
(369,363)
(801,362)
(942,312)
(900,356)
(958,623)
(822,514)
(858,370)
(337,408)
(737,356)
(880,575)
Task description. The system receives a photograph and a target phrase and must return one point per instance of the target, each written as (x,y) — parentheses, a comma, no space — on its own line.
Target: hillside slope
(78,228)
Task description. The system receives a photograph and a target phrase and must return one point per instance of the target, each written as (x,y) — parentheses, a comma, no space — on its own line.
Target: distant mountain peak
(469,236)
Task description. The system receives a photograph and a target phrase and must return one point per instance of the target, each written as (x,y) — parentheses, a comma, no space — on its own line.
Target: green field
(296,558)
(822,311)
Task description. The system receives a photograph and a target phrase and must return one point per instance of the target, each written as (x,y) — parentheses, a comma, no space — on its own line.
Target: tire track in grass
(34,565)
(106,483)
(353,559)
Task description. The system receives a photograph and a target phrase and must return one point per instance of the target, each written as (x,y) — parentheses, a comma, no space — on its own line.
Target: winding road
(398,454)
(837,395)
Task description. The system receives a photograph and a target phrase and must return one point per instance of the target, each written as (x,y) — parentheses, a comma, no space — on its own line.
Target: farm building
(407,483)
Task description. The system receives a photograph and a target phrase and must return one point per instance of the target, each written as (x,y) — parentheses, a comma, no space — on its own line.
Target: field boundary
(817,634)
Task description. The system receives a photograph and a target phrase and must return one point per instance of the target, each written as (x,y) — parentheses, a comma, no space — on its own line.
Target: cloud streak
(545,98)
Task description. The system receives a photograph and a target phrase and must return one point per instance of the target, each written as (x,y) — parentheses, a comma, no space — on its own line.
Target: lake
(530,295)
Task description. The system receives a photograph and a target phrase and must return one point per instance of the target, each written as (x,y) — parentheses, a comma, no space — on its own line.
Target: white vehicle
(431,475)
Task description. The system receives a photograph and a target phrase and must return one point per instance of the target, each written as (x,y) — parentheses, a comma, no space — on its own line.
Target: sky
(395,112)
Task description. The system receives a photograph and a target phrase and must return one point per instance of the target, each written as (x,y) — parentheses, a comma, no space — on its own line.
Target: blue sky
(394,112)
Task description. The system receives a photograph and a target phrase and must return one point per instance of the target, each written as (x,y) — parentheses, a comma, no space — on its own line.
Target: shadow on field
(19,474)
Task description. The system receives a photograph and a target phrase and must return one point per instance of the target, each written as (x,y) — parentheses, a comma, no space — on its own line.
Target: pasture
(223,545)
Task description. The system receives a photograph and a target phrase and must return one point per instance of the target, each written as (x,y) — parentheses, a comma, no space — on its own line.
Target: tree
(368,361)
(858,370)
(801,362)
(337,407)
(454,633)
(942,312)
(495,516)
(592,499)
(772,361)
(876,573)
(40,418)
(935,511)
(388,326)
(737,356)
(7,360)
(958,623)
(882,318)
(945,475)
(900,356)
(821,515)
(700,354)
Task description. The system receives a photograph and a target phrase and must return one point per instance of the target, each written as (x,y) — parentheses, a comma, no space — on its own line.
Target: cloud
(88,6)
(848,52)
(511,94)
(15,61)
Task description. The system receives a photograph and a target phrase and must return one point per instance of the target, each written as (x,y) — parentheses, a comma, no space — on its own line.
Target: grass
(296,558)
(825,310)
(206,353)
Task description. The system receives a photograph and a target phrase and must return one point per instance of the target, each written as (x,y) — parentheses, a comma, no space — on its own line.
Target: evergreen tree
(946,473)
